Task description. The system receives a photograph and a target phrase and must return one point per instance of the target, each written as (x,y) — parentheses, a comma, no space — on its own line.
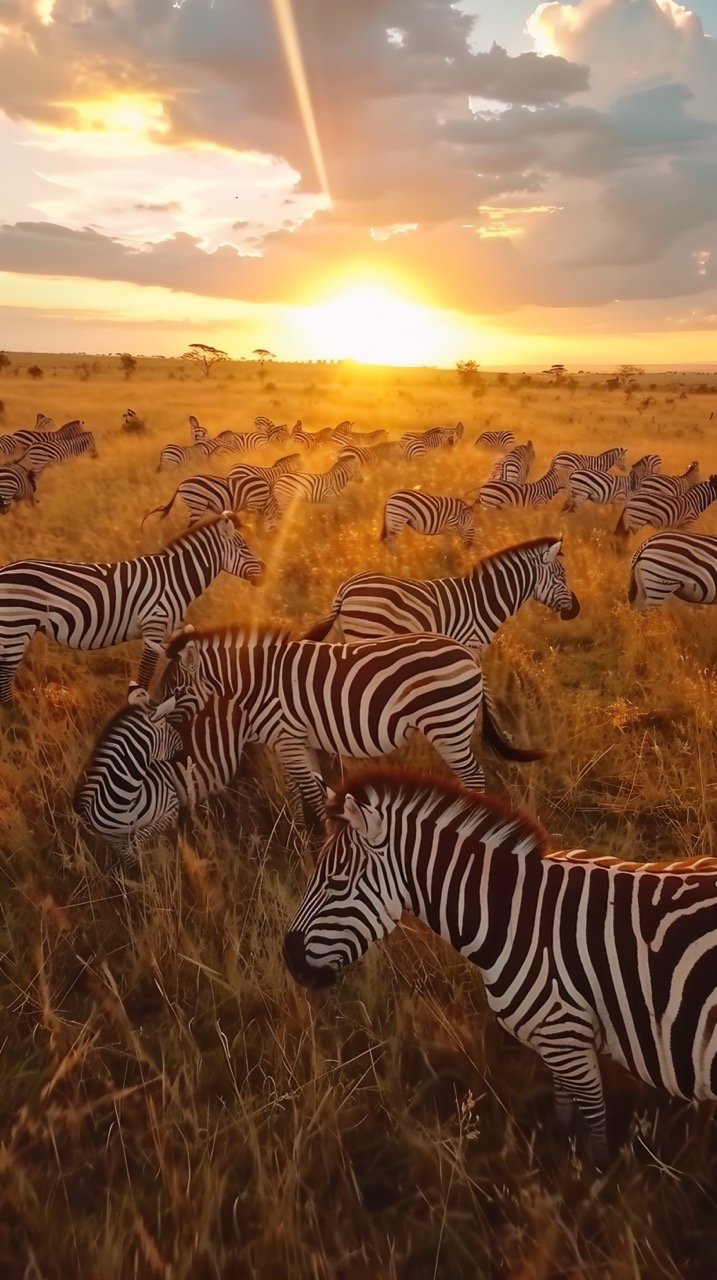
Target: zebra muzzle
(572,610)
(307,975)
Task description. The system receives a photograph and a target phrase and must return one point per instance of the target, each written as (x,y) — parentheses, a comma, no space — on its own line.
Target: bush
(34,371)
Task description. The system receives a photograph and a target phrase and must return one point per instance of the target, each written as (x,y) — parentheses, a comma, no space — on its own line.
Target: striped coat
(92,606)
(178,455)
(251,487)
(470,610)
(496,440)
(580,954)
(515,466)
(291,488)
(666,510)
(672,484)
(359,700)
(600,487)
(427,513)
(570,462)
(535,493)
(59,448)
(674,564)
(16,484)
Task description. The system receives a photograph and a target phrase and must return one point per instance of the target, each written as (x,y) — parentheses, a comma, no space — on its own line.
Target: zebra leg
(457,753)
(576,1078)
(8,667)
(303,775)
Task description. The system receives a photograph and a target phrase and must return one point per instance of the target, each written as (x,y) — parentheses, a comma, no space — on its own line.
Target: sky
(413,181)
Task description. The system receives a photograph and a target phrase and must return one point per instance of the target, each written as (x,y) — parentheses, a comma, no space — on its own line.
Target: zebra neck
(499,591)
(201,558)
(478,896)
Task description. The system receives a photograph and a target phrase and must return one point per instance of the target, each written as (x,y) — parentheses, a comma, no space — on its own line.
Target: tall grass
(171,1104)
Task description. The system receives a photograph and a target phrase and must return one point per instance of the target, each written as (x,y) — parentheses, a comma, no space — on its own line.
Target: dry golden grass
(171,1104)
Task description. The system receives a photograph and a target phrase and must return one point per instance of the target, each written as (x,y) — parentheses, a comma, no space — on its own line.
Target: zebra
(274,434)
(8,445)
(199,494)
(672,484)
(417,444)
(370,455)
(131,420)
(470,610)
(16,484)
(648,465)
(149,763)
(570,462)
(342,434)
(309,439)
(580,954)
(674,564)
(289,488)
(600,487)
(364,439)
(535,493)
(178,455)
(359,700)
(26,439)
(427,513)
(58,449)
(496,439)
(250,487)
(242,441)
(666,510)
(93,606)
(515,466)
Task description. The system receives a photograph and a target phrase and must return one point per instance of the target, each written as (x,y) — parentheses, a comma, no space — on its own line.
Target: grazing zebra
(16,484)
(666,510)
(92,606)
(58,448)
(291,488)
(674,564)
(149,763)
(358,700)
(570,462)
(515,466)
(580,954)
(496,439)
(250,487)
(600,487)
(470,610)
(535,493)
(178,455)
(672,484)
(427,513)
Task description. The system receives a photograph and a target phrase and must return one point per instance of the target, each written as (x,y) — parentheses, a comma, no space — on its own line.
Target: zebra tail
(492,735)
(321,629)
(164,510)
(384,531)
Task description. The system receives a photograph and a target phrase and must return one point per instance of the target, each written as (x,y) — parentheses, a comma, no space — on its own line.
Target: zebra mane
(186,538)
(678,866)
(441,796)
(228,635)
(532,544)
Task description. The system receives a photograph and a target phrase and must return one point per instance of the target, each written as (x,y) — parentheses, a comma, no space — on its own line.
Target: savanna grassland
(171,1104)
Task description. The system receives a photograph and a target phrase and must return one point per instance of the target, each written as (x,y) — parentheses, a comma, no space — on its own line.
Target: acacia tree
(262,356)
(204,357)
(469,376)
(128,363)
(5,361)
(557,373)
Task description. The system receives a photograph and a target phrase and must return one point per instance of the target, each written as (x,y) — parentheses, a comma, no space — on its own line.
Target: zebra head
(551,587)
(621,459)
(237,556)
(353,898)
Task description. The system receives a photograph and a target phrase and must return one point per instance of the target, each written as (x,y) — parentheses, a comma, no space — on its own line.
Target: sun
(372,324)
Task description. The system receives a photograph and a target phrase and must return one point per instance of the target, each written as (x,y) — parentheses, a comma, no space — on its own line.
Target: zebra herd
(579,953)
(30,452)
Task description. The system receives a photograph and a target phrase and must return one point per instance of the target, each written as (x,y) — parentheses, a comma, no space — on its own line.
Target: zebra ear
(137,696)
(554,550)
(193,422)
(363,819)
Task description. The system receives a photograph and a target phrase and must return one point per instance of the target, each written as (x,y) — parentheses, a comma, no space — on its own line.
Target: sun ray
(292,50)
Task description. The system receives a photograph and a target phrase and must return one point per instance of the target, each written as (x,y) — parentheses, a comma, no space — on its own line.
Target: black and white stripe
(58,447)
(535,493)
(672,484)
(648,465)
(496,439)
(674,564)
(251,487)
(601,487)
(666,510)
(570,462)
(359,700)
(292,488)
(514,468)
(470,610)
(427,513)
(578,955)
(178,455)
(16,484)
(150,762)
(92,606)
(45,429)
(418,444)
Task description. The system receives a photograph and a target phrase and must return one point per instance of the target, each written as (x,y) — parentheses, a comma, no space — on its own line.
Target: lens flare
(292,50)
